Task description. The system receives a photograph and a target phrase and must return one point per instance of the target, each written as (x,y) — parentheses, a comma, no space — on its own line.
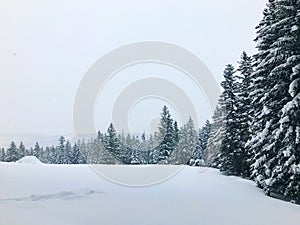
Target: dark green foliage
(2,154)
(12,154)
(197,158)
(231,152)
(36,150)
(22,150)
(244,108)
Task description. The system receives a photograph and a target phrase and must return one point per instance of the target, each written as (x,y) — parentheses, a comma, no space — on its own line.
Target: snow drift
(74,194)
(29,160)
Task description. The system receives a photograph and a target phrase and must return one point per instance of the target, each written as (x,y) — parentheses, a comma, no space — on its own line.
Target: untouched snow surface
(38,194)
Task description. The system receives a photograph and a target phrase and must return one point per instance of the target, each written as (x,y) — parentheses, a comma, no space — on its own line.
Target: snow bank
(29,160)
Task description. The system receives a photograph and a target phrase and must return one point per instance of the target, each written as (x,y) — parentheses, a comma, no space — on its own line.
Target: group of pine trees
(255,131)
(169,145)
(63,153)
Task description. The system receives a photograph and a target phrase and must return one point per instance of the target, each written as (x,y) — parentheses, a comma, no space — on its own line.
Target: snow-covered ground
(33,194)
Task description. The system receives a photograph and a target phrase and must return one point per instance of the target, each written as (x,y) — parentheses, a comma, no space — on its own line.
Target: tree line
(169,145)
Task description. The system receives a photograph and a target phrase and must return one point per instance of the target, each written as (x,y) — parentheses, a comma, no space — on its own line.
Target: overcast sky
(47,47)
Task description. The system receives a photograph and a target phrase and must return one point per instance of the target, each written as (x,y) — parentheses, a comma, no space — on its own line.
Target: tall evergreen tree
(263,117)
(283,160)
(60,151)
(12,154)
(243,110)
(22,150)
(46,155)
(197,158)
(180,154)
(217,132)
(98,153)
(112,144)
(274,63)
(52,156)
(176,133)
(78,155)
(191,138)
(2,154)
(128,141)
(74,159)
(68,153)
(231,152)
(186,145)
(166,133)
(36,150)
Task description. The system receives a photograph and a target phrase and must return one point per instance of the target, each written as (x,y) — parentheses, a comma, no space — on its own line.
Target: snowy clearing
(38,194)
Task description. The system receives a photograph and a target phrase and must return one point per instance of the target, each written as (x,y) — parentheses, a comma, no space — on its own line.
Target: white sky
(47,46)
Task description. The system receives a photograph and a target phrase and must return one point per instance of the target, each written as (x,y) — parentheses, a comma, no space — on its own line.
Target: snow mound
(29,160)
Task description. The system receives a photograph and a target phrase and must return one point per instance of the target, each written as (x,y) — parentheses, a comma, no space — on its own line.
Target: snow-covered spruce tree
(285,146)
(151,142)
(76,157)
(143,136)
(212,151)
(12,154)
(68,153)
(83,148)
(29,151)
(103,156)
(231,152)
(175,133)
(151,147)
(112,143)
(274,70)
(52,156)
(144,150)
(134,158)
(136,142)
(82,159)
(166,144)
(98,150)
(180,155)
(73,154)
(22,150)
(154,150)
(128,145)
(244,109)
(174,156)
(260,125)
(192,139)
(42,153)
(60,151)
(197,157)
(36,150)
(2,154)
(94,151)
(46,156)
(122,137)
(186,145)
(128,141)
(141,151)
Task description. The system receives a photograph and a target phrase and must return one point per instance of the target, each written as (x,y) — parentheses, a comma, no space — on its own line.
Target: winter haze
(48,46)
